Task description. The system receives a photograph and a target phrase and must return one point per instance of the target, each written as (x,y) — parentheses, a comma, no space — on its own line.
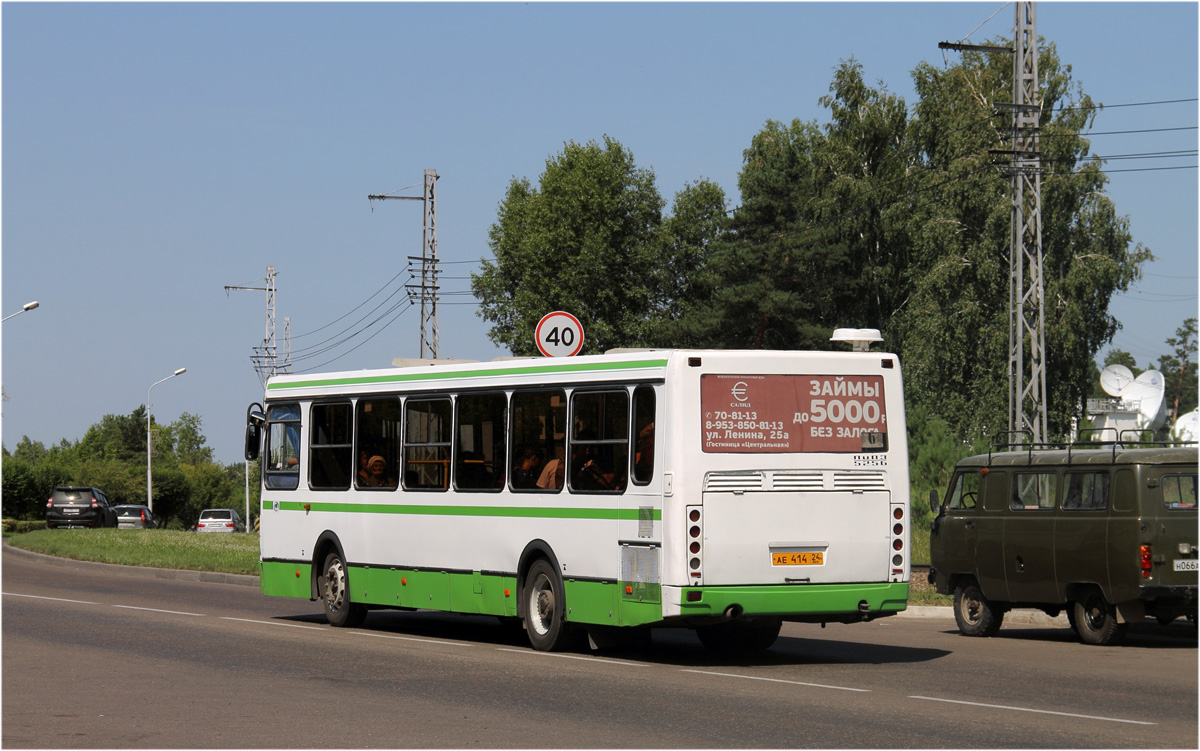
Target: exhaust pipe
(732,612)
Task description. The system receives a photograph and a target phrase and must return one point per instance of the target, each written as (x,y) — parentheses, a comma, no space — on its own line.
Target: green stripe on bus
(523,512)
(435,375)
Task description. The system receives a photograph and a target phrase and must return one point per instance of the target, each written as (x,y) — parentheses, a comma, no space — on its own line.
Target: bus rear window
(1179,491)
(792,413)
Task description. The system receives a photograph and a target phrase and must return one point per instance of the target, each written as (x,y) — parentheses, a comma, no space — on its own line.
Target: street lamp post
(25,307)
(149,450)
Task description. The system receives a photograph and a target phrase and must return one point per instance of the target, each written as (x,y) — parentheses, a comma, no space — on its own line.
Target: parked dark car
(79,507)
(220,520)
(135,517)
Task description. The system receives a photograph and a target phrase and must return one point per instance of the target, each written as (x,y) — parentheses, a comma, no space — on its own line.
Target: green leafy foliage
(112,456)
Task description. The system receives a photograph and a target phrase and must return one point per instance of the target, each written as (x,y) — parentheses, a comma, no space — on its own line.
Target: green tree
(590,239)
(1179,369)
(186,441)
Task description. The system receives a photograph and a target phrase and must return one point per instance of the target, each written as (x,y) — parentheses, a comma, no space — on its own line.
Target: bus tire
(545,606)
(340,610)
(975,614)
(740,637)
(1096,620)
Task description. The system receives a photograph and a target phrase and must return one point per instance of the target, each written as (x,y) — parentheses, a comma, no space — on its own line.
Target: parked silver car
(135,517)
(220,520)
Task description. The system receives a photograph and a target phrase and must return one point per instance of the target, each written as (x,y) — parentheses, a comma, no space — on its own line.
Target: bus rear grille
(797,481)
(859,481)
(733,481)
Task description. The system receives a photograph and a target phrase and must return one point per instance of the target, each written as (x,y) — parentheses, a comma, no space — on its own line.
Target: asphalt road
(106,657)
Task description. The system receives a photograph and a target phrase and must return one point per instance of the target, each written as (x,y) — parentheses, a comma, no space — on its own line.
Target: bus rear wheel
(544,609)
(1096,620)
(340,610)
(974,613)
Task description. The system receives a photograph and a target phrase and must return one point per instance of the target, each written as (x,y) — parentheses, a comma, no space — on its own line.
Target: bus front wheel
(544,609)
(340,610)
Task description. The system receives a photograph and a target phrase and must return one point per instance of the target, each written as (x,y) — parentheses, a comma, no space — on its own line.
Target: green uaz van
(1107,534)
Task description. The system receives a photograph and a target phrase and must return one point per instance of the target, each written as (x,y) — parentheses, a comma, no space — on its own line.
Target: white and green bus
(725,491)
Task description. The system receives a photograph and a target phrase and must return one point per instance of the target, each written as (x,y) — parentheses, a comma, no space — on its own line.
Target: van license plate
(1187,564)
(76,511)
(799,559)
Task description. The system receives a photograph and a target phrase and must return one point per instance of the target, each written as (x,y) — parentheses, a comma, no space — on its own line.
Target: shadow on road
(667,646)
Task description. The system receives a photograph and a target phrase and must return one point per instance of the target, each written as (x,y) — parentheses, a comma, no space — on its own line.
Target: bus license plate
(1187,564)
(797,559)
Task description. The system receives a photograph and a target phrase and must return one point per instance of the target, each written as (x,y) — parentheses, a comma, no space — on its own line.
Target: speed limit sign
(559,334)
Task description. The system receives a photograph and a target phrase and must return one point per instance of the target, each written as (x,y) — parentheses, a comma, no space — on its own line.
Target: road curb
(1011,618)
(246,580)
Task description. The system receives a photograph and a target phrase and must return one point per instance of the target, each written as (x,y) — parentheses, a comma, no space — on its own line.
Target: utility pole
(427,290)
(1026,286)
(264,357)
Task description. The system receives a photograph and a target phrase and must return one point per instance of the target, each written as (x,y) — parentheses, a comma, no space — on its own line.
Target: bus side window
(599,449)
(479,452)
(427,444)
(643,434)
(281,470)
(329,447)
(377,439)
(539,429)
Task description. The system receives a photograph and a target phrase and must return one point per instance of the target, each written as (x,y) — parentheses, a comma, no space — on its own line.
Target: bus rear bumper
(813,603)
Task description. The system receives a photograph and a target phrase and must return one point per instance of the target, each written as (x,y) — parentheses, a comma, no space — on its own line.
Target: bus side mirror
(255,419)
(933,501)
(253,436)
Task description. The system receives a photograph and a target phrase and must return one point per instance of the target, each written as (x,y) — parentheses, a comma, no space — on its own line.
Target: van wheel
(340,611)
(740,637)
(974,613)
(1096,620)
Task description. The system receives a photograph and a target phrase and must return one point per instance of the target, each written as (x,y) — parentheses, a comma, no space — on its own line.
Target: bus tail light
(899,543)
(1147,559)
(695,538)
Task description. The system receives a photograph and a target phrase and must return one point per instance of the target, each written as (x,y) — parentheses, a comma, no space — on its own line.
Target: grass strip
(235,553)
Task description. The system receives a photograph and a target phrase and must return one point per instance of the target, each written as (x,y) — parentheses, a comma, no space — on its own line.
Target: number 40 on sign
(559,334)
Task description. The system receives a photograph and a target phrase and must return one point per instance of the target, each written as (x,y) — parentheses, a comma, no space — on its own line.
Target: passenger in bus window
(643,462)
(524,474)
(377,474)
(363,473)
(551,477)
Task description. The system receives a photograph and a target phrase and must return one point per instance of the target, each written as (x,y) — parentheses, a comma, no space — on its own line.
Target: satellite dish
(1146,394)
(1187,427)
(1115,379)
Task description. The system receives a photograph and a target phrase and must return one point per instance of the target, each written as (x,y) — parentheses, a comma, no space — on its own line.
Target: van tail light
(1147,558)
(95,503)
(143,517)
(50,502)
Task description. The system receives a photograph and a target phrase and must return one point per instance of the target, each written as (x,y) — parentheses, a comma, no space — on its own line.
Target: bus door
(640,527)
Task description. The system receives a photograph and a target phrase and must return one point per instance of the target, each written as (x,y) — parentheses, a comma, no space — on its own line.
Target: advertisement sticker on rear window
(792,413)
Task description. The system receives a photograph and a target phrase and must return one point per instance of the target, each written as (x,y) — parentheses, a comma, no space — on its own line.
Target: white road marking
(272,623)
(156,610)
(412,638)
(779,680)
(56,599)
(1038,711)
(571,657)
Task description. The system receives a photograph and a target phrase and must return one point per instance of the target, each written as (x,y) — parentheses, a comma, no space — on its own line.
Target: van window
(1179,491)
(1033,491)
(965,493)
(1086,491)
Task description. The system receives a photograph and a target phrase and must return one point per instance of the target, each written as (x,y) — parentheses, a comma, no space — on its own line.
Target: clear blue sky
(154,153)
